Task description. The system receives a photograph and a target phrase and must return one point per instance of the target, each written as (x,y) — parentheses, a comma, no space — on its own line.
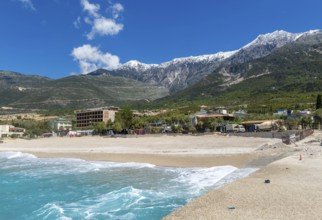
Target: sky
(59,38)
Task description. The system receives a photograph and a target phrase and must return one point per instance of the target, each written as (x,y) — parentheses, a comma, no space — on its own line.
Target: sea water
(42,188)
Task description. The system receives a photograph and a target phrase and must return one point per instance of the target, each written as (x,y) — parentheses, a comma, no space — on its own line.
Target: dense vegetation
(33,128)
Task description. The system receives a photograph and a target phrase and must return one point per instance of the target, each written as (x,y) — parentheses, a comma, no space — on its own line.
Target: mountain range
(186,78)
(289,77)
(180,73)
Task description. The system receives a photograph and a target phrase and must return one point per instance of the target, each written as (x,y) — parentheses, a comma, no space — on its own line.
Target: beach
(173,151)
(294,191)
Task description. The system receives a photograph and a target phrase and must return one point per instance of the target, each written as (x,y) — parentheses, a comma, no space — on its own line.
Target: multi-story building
(89,117)
(10,130)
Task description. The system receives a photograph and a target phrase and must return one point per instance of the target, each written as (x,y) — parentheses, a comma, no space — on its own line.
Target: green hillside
(81,91)
(289,77)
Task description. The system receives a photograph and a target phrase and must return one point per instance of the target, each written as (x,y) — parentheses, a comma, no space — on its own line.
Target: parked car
(235,128)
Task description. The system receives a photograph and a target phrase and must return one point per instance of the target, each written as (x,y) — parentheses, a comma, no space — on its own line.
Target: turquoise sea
(39,188)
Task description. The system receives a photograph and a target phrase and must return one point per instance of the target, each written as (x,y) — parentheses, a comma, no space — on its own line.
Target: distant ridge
(25,91)
(180,73)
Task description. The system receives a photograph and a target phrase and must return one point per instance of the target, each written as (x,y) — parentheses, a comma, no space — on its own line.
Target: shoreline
(167,151)
(295,184)
(294,190)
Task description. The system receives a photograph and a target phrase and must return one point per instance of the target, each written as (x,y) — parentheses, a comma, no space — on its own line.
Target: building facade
(10,130)
(86,118)
(61,124)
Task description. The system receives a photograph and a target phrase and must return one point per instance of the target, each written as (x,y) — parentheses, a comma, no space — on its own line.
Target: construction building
(86,118)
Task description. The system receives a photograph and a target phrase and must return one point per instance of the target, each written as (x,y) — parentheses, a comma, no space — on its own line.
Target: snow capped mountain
(220,56)
(136,65)
(277,38)
(179,73)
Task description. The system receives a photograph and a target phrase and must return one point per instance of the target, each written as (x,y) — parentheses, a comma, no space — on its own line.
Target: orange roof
(214,116)
(256,122)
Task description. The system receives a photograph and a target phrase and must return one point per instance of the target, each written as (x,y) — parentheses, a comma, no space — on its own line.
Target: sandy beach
(294,191)
(175,151)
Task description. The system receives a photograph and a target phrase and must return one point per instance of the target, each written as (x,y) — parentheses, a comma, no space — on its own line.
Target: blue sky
(56,38)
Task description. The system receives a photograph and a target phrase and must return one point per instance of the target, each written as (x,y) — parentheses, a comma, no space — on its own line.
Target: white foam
(121,165)
(200,180)
(51,210)
(13,155)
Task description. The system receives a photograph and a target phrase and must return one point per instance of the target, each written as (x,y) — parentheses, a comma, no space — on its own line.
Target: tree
(109,124)
(318,101)
(306,122)
(117,126)
(125,117)
(292,123)
(99,127)
(318,116)
(189,128)
(138,122)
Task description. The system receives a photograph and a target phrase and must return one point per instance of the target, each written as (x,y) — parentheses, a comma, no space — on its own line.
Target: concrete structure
(10,130)
(89,117)
(201,117)
(222,111)
(261,125)
(60,124)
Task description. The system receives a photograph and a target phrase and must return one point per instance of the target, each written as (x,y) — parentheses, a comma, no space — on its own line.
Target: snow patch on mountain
(278,38)
(217,57)
(134,64)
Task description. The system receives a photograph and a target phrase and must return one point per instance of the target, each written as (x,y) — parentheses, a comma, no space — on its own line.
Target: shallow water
(42,188)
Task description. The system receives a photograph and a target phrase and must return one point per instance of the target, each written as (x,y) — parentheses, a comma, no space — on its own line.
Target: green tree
(292,123)
(138,122)
(189,128)
(109,124)
(306,122)
(125,117)
(33,128)
(99,127)
(318,101)
(318,116)
(117,126)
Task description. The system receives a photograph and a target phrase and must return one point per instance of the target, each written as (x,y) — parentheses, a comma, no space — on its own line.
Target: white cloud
(91,58)
(92,9)
(28,4)
(104,26)
(87,20)
(77,22)
(117,8)
(101,25)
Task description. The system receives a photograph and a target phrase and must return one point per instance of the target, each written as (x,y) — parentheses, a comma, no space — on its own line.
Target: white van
(235,128)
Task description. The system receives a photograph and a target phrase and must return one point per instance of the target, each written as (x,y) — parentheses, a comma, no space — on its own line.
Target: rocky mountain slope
(181,73)
(291,75)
